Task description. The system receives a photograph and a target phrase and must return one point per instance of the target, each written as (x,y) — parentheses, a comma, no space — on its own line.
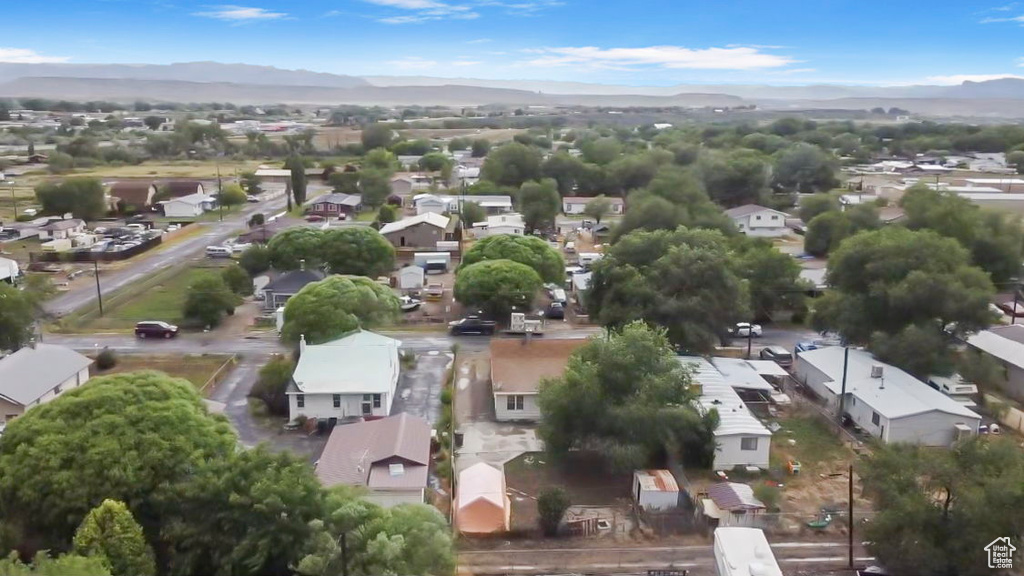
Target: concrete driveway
(419,388)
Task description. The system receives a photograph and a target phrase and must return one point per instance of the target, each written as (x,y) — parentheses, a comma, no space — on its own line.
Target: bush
(106,359)
(255,260)
(551,506)
(272,383)
(446,396)
(769,495)
(237,280)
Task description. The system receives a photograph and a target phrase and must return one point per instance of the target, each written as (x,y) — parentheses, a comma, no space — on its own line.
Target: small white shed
(410,278)
(433,261)
(655,489)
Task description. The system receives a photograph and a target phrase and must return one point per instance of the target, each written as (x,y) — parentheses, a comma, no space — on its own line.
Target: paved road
(110,281)
(794,557)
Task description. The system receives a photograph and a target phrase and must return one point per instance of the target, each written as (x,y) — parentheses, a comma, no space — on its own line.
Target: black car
(155,329)
(555,311)
(472,325)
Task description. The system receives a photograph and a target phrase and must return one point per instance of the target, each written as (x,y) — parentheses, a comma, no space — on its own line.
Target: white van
(218,252)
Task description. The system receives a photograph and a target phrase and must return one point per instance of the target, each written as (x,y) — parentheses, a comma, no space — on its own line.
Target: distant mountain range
(244,83)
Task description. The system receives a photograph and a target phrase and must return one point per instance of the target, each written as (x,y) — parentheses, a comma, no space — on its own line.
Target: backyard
(196,368)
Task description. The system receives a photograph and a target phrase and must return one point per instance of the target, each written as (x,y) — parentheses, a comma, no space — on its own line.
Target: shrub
(446,396)
(551,506)
(106,359)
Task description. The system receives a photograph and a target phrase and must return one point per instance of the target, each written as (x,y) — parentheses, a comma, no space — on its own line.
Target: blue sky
(637,42)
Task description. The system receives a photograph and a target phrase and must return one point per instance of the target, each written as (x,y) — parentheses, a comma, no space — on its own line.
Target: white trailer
(520,323)
(744,552)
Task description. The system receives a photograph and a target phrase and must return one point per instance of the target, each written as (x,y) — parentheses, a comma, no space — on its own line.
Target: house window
(514,402)
(875,419)
(300,400)
(757,217)
(337,400)
(376,400)
(775,217)
(853,400)
(748,443)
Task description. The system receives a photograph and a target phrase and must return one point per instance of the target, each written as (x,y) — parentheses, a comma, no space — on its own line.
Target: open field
(196,368)
(206,169)
(332,136)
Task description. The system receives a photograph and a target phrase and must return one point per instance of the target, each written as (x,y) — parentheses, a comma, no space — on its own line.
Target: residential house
(351,377)
(335,204)
(389,457)
(277,292)
(181,188)
(1008,184)
(500,224)
(1004,344)
(274,175)
(740,438)
(61,229)
(9,270)
(744,552)
(518,366)
(423,231)
(577,204)
(190,206)
(409,182)
(754,220)
(425,203)
(732,504)
(36,374)
(467,175)
(133,196)
(883,400)
(482,505)
(441,203)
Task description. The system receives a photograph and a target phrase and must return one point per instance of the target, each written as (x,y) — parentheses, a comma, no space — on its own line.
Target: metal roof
(657,481)
(31,372)
(738,373)
(481,481)
(361,363)
(748,209)
(390,453)
(292,281)
(431,218)
(733,415)
(895,395)
(734,496)
(338,198)
(1001,343)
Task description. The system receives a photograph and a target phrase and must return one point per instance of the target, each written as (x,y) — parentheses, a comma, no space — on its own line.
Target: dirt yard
(196,368)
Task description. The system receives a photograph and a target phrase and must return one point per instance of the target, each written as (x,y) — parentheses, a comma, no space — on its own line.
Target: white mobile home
(883,400)
(744,552)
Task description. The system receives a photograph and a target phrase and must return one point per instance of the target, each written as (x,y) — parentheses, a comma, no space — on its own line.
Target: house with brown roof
(517,368)
(389,457)
(732,504)
(133,196)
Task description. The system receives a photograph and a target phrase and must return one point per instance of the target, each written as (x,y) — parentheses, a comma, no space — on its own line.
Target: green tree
(827,231)
(679,279)
(551,506)
(356,250)
(805,168)
(598,208)
(82,197)
(816,204)
(435,162)
(292,248)
(61,458)
(459,143)
(237,280)
(773,277)
(43,565)
(889,279)
(246,514)
(153,122)
(674,198)
(255,259)
(297,166)
(377,136)
(232,195)
(344,182)
(529,250)
(252,183)
(325,310)
(512,164)
(375,187)
(1015,160)
(272,384)
(110,532)
(480,147)
(635,171)
(380,159)
(734,178)
(936,510)
(208,299)
(387,214)
(634,403)
(539,204)
(565,169)
(601,151)
(16,320)
(497,286)
(472,213)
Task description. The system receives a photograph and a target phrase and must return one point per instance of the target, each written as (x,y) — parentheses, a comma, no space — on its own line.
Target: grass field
(172,169)
(196,368)
(162,301)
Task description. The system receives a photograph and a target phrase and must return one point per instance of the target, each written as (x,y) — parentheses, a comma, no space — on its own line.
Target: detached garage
(481,505)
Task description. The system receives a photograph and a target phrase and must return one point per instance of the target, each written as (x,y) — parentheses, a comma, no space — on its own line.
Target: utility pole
(750,338)
(842,395)
(849,531)
(14,199)
(99,293)
(220,190)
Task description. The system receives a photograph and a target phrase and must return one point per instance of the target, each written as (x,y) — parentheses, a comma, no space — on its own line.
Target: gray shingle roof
(362,454)
(31,372)
(747,210)
(292,281)
(339,198)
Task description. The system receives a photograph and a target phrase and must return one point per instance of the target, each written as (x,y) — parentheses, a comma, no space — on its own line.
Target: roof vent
(396,469)
(876,371)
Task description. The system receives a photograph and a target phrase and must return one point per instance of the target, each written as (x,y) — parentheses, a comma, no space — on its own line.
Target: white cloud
(1020,62)
(240,14)
(479,41)
(412,63)
(521,8)
(737,58)
(466,62)
(419,11)
(26,56)
(407,4)
(953,79)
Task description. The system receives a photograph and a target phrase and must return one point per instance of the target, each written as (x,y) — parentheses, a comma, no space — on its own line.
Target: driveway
(419,388)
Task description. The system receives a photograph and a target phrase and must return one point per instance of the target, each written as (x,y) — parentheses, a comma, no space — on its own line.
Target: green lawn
(816,447)
(163,301)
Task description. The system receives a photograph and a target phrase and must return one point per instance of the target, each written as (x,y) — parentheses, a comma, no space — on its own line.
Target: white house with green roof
(351,377)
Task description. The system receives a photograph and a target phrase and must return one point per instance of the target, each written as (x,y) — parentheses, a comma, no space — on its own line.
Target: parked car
(434,292)
(218,252)
(408,303)
(240,247)
(472,325)
(780,355)
(555,311)
(155,329)
(252,199)
(314,218)
(805,346)
(745,330)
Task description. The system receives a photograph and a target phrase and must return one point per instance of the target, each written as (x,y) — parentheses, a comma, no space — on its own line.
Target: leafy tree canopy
(497,286)
(43,565)
(208,299)
(352,250)
(15,317)
(529,250)
(512,164)
(82,197)
(110,532)
(539,203)
(325,310)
